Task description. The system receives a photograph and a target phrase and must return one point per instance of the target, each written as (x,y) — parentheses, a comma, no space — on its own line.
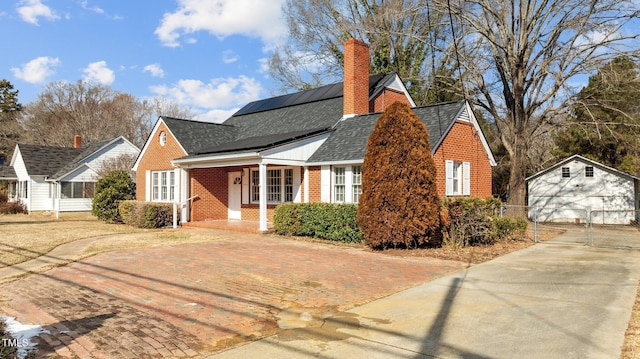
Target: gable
(584,161)
(94,155)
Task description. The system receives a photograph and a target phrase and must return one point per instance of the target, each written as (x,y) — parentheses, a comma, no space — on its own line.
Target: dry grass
(24,237)
(631,346)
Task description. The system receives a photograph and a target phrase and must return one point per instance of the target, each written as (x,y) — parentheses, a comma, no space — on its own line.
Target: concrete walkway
(547,301)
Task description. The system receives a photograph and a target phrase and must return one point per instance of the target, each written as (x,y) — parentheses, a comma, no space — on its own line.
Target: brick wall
(385,98)
(156,158)
(356,77)
(314,184)
(211,187)
(463,144)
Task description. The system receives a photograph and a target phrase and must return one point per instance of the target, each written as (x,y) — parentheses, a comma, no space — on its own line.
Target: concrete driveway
(553,300)
(194,300)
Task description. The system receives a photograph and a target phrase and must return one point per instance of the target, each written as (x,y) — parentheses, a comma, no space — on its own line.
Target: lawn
(24,237)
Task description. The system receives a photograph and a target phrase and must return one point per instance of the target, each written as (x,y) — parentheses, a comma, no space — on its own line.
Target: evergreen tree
(9,111)
(605,118)
(399,206)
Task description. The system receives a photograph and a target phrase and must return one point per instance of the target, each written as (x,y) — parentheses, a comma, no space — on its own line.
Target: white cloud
(36,70)
(221,93)
(217,116)
(31,10)
(99,72)
(229,57)
(221,18)
(96,9)
(155,70)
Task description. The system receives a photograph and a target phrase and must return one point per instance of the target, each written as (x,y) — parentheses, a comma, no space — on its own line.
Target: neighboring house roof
(577,157)
(55,162)
(7,173)
(349,141)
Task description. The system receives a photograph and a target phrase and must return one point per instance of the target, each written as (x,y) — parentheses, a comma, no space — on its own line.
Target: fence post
(535,223)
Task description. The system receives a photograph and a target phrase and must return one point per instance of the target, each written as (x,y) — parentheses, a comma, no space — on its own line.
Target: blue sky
(206,54)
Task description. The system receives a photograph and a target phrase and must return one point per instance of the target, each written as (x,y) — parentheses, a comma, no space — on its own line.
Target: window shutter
(246,179)
(466,182)
(449,177)
(147,186)
(297,196)
(325,184)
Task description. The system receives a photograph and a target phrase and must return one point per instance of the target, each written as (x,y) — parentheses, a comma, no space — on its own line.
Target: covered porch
(243,182)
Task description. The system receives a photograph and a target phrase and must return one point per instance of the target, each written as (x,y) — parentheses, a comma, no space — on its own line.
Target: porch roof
(7,173)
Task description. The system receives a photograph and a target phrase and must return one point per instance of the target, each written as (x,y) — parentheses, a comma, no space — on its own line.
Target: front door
(235,194)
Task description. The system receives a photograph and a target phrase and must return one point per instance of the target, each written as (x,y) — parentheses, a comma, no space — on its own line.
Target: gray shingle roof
(84,152)
(262,142)
(47,160)
(7,173)
(194,135)
(349,141)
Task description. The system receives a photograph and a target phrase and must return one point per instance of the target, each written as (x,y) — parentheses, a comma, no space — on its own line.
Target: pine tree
(9,111)
(399,206)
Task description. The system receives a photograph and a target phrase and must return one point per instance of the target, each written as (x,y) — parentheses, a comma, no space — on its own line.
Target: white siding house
(577,188)
(63,179)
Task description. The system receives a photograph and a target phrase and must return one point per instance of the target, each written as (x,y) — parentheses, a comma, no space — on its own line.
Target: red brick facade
(156,158)
(463,144)
(386,98)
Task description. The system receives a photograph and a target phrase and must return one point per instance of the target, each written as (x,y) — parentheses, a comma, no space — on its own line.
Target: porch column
(185,203)
(306,184)
(263,197)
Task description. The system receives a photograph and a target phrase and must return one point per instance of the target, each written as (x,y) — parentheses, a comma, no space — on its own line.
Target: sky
(209,55)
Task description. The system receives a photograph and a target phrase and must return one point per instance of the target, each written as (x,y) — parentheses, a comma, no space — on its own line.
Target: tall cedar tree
(399,206)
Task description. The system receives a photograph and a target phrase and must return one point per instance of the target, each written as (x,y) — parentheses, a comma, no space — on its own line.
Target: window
(458,178)
(288,185)
(163,138)
(356,183)
(588,171)
(255,186)
(338,184)
(457,174)
(566,172)
(23,189)
(162,186)
(280,185)
(77,189)
(273,185)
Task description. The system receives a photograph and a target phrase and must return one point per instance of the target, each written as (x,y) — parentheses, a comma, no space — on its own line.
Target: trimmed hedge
(146,214)
(335,222)
(113,188)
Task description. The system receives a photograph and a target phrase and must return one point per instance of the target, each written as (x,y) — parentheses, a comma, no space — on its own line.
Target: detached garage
(575,187)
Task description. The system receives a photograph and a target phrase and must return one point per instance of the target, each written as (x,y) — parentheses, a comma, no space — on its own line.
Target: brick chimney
(77,141)
(356,77)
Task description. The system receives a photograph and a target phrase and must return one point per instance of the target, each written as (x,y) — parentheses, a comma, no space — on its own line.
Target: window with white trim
(338,184)
(280,185)
(458,178)
(356,183)
(163,186)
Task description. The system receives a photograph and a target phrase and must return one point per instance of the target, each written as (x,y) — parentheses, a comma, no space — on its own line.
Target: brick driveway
(196,299)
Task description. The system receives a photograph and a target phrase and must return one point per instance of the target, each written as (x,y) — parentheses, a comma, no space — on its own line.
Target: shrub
(399,205)
(13,208)
(113,188)
(475,221)
(335,222)
(510,227)
(145,214)
(4,198)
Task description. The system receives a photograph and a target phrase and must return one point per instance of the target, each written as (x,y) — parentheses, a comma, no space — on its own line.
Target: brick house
(302,147)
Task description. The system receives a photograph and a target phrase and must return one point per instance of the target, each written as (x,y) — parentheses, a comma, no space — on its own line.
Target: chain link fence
(600,228)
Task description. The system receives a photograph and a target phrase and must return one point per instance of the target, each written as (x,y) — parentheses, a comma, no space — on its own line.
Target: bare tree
(519,58)
(404,36)
(94,111)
